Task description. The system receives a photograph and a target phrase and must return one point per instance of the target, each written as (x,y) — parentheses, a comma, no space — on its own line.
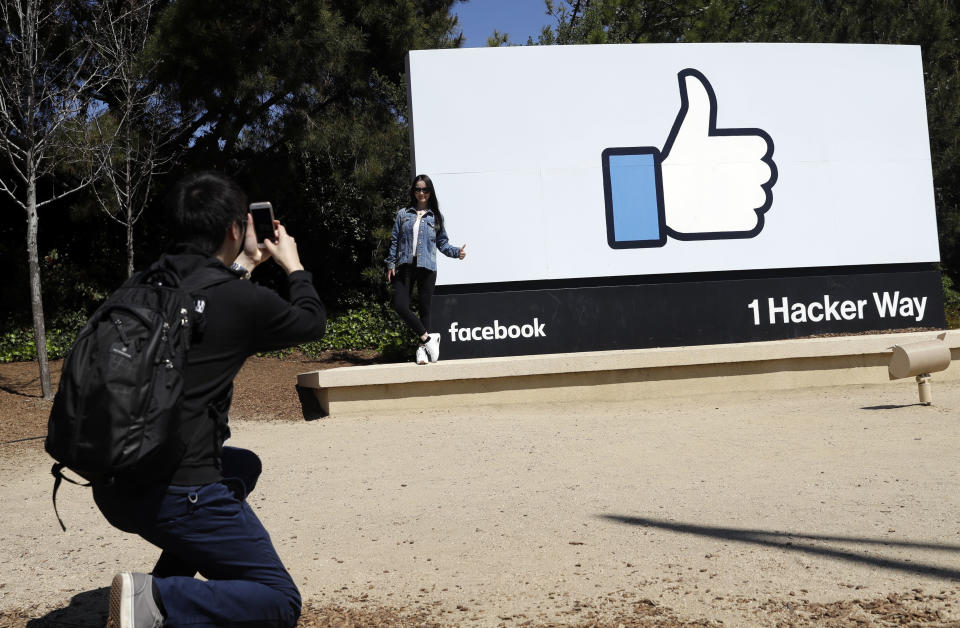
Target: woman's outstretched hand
(463,251)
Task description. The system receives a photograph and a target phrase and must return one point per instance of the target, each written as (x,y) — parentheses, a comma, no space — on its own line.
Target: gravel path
(810,507)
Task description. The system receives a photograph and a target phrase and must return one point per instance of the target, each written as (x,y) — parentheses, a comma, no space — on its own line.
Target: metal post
(923,384)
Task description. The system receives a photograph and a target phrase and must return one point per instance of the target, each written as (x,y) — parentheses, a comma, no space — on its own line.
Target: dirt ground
(825,507)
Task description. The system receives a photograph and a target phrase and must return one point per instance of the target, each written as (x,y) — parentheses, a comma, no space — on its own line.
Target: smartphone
(263,222)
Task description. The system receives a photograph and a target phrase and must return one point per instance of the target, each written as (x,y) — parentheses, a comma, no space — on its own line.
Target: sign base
(661,312)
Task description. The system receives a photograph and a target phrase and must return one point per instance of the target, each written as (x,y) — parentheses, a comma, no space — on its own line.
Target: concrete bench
(612,375)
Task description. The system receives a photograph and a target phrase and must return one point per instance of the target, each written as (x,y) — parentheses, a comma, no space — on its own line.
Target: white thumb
(696,95)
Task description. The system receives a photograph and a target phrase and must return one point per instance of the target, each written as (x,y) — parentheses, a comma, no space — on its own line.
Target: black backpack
(116,411)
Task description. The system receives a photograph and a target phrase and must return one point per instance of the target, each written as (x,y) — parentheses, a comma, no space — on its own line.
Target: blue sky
(519,18)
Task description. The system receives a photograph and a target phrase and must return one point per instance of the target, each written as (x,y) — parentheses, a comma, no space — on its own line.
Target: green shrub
(370,326)
(373,326)
(951,303)
(17,344)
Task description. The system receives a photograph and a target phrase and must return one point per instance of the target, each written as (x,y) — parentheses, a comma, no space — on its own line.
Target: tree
(140,131)
(47,77)
(304,102)
(498,39)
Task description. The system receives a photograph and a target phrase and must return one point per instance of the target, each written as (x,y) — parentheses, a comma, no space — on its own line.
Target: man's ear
(235,232)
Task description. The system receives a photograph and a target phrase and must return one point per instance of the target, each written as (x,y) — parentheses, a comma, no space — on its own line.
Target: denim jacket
(428,241)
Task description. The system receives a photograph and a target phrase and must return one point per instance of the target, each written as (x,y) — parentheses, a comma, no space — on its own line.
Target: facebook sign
(627,196)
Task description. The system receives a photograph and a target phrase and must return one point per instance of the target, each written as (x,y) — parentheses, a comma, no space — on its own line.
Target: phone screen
(262,222)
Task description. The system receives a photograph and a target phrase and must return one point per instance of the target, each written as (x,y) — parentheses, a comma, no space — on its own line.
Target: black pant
(404,280)
(210,529)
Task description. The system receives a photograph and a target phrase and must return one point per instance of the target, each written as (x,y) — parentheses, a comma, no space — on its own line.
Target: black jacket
(240,318)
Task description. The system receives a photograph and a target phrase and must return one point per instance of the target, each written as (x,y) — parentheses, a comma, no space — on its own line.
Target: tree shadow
(354,359)
(86,610)
(346,357)
(788,541)
(8,387)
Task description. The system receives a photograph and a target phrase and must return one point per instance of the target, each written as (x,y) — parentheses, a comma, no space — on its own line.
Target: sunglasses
(421,191)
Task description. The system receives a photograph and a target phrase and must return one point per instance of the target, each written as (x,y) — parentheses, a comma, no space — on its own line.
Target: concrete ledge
(605,375)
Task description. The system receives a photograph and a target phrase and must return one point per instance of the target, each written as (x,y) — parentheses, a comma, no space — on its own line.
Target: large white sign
(557,162)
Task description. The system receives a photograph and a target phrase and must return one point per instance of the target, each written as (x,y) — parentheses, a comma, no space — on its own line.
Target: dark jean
(406,277)
(211,530)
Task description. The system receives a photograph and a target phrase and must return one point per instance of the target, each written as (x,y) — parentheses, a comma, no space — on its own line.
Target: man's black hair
(202,206)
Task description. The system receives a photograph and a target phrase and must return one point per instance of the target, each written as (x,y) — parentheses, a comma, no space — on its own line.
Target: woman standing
(418,233)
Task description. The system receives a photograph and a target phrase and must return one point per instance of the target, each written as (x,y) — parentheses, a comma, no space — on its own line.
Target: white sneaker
(433,347)
(421,355)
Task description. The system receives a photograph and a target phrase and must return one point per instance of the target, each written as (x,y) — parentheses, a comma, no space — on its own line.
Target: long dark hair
(432,201)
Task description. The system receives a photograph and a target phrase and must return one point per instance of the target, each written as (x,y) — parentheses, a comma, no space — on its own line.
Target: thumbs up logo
(706,183)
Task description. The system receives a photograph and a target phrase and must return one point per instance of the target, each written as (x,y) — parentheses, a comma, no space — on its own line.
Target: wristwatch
(240,271)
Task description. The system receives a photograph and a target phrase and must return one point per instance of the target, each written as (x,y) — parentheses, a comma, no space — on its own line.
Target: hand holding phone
(284,251)
(263,222)
(272,240)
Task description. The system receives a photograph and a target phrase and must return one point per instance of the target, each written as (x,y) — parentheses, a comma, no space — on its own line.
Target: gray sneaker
(433,347)
(421,355)
(131,602)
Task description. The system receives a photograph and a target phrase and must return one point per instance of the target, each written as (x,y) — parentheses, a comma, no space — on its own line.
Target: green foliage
(75,289)
(304,102)
(73,293)
(498,39)
(374,326)
(951,302)
(17,343)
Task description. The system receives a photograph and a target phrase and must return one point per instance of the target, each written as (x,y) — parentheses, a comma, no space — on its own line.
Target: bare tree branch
(47,74)
(146,138)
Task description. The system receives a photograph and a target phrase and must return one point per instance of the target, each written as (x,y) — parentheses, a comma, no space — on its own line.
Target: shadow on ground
(804,543)
(891,407)
(87,609)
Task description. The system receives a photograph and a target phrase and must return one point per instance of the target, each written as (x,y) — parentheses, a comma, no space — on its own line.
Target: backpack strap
(58,476)
(195,284)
